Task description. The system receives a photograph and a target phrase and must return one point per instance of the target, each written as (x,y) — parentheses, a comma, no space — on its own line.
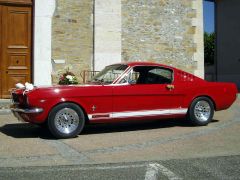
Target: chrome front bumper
(27,111)
(22,113)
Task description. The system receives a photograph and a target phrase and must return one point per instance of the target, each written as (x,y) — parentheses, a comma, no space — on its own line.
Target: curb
(5,106)
(5,111)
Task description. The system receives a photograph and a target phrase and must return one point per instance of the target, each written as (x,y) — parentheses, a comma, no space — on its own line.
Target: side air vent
(183,76)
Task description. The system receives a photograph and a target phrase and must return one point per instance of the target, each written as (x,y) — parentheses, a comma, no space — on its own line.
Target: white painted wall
(44,10)
(107,33)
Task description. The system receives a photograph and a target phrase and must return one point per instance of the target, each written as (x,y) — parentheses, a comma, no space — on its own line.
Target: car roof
(144,63)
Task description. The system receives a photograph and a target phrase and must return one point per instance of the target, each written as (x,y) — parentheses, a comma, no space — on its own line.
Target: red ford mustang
(123,92)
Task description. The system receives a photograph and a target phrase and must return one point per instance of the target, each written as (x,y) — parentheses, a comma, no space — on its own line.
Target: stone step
(5,103)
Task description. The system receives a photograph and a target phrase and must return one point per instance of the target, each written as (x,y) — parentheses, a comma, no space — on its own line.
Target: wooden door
(16,46)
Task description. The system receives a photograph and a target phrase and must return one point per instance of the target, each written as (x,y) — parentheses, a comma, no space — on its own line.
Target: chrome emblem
(94,108)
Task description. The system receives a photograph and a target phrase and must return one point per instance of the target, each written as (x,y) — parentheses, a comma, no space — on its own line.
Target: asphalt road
(165,149)
(227,167)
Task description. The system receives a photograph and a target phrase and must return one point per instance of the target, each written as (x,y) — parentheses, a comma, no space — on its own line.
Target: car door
(150,93)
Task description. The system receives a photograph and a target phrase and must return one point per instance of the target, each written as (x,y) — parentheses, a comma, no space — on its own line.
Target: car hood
(67,91)
(72,86)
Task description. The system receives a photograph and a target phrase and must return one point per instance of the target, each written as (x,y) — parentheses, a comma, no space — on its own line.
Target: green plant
(209,48)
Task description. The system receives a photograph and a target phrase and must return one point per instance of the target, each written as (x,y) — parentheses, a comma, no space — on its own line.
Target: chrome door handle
(170,86)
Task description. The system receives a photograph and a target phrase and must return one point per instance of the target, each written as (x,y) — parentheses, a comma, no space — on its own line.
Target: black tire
(66,120)
(201,111)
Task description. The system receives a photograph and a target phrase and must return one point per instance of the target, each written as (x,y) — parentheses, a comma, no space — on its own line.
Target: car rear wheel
(201,111)
(66,120)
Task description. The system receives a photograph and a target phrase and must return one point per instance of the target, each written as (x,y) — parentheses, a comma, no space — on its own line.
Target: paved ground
(201,168)
(169,149)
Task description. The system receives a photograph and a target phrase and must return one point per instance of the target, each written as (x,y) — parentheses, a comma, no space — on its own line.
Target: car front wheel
(66,120)
(201,111)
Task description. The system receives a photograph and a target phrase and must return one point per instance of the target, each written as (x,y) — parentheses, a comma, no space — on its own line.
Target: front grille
(15,98)
(19,99)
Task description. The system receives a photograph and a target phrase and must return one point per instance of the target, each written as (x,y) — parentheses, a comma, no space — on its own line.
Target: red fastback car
(123,92)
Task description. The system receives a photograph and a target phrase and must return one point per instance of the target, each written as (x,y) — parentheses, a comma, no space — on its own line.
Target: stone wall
(160,31)
(72,36)
(165,31)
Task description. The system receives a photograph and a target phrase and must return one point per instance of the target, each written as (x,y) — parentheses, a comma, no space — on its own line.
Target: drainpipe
(93,21)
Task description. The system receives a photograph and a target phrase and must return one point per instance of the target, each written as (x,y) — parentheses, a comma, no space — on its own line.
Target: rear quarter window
(160,75)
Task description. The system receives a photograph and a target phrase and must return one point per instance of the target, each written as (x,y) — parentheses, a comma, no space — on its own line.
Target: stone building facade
(90,34)
(72,36)
(161,31)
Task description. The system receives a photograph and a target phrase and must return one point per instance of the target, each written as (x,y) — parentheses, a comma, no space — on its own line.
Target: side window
(151,75)
(131,77)
(159,76)
(134,77)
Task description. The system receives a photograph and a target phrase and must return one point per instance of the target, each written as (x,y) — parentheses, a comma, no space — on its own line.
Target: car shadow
(26,130)
(137,126)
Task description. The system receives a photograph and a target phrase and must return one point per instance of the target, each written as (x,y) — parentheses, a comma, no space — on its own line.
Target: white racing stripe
(139,113)
(149,113)
(154,169)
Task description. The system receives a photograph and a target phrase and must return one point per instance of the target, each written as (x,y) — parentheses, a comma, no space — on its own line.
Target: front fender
(48,104)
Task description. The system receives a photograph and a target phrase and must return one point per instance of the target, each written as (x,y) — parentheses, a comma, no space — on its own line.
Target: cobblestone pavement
(146,148)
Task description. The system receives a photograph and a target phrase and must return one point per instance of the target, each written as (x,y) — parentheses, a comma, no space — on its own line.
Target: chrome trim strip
(127,114)
(27,111)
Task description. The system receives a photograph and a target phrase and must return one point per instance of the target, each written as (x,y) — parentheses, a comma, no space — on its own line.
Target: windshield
(109,74)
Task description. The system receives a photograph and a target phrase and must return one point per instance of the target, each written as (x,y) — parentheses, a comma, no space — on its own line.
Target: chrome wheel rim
(202,111)
(66,120)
